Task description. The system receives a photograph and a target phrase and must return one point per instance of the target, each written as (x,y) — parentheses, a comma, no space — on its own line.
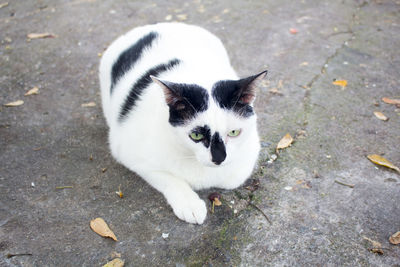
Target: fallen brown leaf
(275,91)
(395,238)
(342,83)
(376,246)
(14,104)
(382,161)
(293,31)
(115,263)
(217,202)
(99,226)
(3,4)
(33,91)
(88,105)
(40,35)
(285,142)
(119,192)
(380,116)
(391,101)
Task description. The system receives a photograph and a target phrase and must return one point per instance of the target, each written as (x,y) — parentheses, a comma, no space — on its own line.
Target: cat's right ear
(172,97)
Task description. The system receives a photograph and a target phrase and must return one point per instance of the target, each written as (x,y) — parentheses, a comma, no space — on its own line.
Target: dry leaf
(382,161)
(114,263)
(376,246)
(3,4)
(342,83)
(119,192)
(100,227)
(217,202)
(14,104)
(40,35)
(275,91)
(33,91)
(89,105)
(380,116)
(293,31)
(395,238)
(285,142)
(391,101)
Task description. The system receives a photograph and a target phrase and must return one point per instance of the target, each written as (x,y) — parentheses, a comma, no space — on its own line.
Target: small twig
(349,185)
(260,210)
(64,187)
(9,255)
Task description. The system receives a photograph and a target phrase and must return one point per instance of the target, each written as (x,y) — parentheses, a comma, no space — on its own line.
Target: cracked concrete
(52,141)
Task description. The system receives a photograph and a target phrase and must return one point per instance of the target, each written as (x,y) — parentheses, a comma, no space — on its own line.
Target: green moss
(223,250)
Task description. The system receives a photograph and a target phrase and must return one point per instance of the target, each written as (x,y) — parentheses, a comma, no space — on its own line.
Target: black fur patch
(205,131)
(129,57)
(142,83)
(227,93)
(218,152)
(185,101)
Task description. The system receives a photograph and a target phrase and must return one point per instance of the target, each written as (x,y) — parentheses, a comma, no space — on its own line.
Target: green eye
(234,133)
(196,136)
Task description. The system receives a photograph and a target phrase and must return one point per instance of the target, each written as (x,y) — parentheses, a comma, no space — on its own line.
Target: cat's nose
(218,151)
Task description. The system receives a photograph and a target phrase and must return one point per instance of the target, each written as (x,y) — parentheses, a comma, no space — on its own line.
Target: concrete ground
(52,141)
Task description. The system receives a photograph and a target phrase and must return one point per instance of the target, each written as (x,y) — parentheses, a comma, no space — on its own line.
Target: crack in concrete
(308,87)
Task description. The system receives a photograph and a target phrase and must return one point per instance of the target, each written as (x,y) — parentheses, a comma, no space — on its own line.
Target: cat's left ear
(248,87)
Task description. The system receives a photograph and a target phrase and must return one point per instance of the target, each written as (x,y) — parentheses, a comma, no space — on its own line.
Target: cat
(178,114)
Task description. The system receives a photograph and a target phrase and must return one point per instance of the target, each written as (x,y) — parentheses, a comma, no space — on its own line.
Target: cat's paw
(191,210)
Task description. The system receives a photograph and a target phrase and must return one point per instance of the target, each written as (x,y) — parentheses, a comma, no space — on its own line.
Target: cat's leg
(185,203)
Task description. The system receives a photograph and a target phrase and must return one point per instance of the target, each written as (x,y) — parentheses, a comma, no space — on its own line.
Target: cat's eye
(234,133)
(196,136)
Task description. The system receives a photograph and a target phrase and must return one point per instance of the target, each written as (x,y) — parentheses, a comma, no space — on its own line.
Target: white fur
(164,155)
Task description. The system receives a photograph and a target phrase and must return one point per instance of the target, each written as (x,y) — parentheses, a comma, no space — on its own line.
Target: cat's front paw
(193,211)
(189,209)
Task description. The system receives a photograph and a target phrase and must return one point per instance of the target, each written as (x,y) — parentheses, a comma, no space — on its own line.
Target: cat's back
(173,51)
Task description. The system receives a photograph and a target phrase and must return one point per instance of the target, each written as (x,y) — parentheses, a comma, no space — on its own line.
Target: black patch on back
(189,99)
(205,131)
(129,57)
(142,83)
(218,152)
(227,94)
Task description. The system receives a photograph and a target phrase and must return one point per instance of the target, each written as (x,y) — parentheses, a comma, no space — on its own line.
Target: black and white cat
(178,114)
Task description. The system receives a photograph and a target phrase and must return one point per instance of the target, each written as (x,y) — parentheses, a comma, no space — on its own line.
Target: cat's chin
(213,165)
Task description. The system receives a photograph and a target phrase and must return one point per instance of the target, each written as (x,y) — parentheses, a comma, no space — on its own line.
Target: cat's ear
(172,96)
(248,86)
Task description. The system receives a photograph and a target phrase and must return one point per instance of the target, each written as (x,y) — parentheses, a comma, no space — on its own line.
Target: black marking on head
(142,83)
(218,152)
(129,57)
(205,131)
(184,100)
(237,95)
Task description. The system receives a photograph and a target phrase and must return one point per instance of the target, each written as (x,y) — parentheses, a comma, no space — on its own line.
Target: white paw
(190,209)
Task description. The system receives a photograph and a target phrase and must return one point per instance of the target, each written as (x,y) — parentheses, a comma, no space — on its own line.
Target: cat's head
(215,126)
